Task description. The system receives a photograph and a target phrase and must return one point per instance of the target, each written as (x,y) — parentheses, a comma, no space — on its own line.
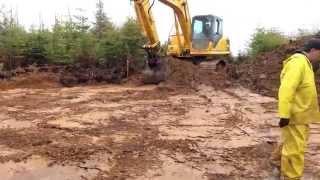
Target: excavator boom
(147,23)
(181,11)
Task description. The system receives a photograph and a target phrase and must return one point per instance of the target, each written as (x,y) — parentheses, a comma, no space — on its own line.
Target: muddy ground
(117,132)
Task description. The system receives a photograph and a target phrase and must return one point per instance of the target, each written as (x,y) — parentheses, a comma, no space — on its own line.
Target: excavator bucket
(154,74)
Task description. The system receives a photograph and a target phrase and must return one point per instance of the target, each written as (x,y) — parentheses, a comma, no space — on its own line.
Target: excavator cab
(205,30)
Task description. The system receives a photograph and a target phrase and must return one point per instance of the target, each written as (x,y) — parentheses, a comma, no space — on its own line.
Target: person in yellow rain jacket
(298,107)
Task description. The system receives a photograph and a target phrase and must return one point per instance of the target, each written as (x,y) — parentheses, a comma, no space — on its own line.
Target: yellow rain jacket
(298,99)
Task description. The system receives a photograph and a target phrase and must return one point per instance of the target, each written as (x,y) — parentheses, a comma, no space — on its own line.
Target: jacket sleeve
(291,77)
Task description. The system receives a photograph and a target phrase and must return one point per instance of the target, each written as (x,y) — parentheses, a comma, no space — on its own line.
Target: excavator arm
(145,18)
(147,23)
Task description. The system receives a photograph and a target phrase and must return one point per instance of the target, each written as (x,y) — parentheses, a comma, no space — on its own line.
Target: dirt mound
(84,74)
(185,73)
(262,74)
(50,76)
(39,80)
(33,76)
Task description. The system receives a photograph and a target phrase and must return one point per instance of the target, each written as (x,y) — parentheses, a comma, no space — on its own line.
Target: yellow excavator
(198,39)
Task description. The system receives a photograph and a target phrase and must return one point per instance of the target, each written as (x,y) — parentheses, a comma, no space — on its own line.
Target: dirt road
(139,133)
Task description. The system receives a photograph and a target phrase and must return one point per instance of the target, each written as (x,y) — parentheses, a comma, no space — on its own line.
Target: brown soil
(262,74)
(185,73)
(198,125)
(32,81)
(129,132)
(48,76)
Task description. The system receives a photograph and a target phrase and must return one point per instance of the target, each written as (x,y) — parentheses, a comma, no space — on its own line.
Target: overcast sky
(241,17)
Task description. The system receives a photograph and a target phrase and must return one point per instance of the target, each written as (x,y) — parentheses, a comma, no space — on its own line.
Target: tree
(264,40)
(119,44)
(81,22)
(37,45)
(102,22)
(133,40)
(84,42)
(13,37)
(110,48)
(57,46)
(73,39)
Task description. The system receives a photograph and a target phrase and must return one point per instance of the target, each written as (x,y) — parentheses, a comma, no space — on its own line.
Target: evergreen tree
(102,22)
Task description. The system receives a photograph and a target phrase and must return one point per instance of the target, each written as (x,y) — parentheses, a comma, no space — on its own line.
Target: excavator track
(216,65)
